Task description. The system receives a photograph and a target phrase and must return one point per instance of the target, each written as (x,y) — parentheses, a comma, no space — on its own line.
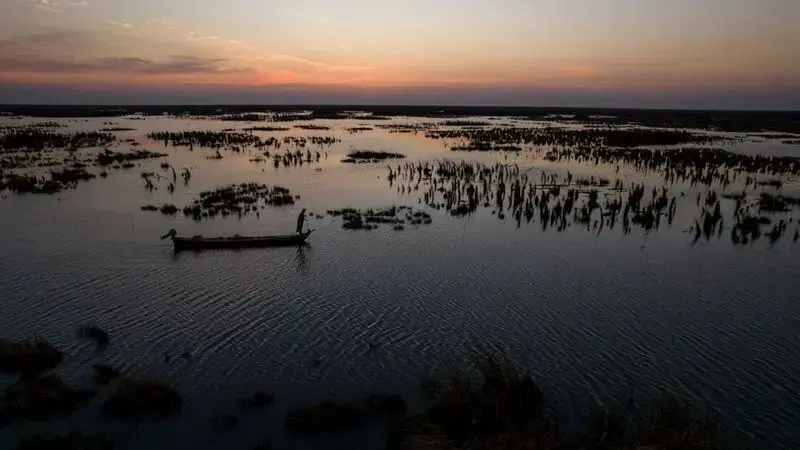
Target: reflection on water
(593,315)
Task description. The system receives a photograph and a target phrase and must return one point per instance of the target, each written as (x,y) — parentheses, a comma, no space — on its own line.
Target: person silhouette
(301,219)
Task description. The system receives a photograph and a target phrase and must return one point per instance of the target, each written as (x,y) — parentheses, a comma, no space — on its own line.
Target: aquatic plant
(95,333)
(355,219)
(237,199)
(138,400)
(566,137)
(39,139)
(205,139)
(108,158)
(44,396)
(243,117)
(505,408)
(465,123)
(312,127)
(168,209)
(266,128)
(115,129)
(28,357)
(373,156)
(353,130)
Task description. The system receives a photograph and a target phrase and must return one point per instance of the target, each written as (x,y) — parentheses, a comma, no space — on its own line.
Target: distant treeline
(733,121)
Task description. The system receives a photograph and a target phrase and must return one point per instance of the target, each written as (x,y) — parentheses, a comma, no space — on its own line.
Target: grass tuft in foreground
(504,409)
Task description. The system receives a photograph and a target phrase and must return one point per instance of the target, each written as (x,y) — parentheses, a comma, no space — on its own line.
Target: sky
(737,54)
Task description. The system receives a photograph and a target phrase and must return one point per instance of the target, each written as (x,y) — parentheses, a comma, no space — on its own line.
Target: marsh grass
(42,397)
(28,357)
(370,156)
(109,158)
(498,406)
(140,400)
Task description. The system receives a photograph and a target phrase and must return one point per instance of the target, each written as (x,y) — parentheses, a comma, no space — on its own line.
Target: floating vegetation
(291,117)
(370,156)
(21,160)
(104,374)
(314,140)
(205,139)
(58,180)
(72,441)
(777,203)
(408,128)
(38,139)
(354,130)
(28,357)
(136,400)
(488,138)
(485,147)
(113,129)
(168,209)
(43,397)
(312,127)
(371,117)
(466,123)
(152,208)
(243,117)
(108,158)
(266,128)
(237,199)
(95,333)
(68,177)
(369,219)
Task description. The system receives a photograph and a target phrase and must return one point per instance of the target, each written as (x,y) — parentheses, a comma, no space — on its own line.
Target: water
(592,315)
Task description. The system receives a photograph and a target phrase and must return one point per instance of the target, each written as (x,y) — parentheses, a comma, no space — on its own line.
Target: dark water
(591,315)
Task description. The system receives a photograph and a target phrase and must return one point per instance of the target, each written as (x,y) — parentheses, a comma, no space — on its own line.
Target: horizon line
(382,106)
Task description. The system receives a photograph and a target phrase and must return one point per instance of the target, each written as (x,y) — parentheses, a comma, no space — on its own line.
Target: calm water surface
(593,316)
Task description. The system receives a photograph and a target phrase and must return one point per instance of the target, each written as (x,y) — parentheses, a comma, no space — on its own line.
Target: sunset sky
(626,53)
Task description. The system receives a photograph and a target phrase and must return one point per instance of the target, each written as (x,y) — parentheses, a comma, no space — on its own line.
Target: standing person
(301,220)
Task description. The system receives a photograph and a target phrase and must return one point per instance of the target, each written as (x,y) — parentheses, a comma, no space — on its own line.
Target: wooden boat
(234,242)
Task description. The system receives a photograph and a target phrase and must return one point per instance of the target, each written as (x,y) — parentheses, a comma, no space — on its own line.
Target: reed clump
(28,357)
(370,156)
(42,397)
(502,407)
(237,199)
(139,400)
(109,158)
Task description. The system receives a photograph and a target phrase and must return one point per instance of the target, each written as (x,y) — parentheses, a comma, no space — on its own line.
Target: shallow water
(594,316)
